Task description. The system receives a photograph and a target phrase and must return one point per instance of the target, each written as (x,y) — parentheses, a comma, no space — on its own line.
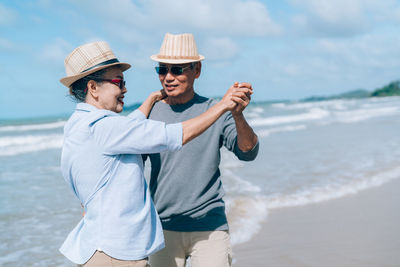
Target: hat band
(110,61)
(178,57)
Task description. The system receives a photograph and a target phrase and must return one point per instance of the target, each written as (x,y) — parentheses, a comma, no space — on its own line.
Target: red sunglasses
(118,82)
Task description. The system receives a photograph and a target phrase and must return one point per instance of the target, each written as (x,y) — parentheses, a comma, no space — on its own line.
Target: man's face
(178,79)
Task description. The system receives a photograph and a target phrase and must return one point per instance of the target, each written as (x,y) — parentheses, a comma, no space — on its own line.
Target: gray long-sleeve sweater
(185,185)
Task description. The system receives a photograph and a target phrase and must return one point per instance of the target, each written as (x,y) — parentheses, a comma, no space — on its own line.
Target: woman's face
(110,95)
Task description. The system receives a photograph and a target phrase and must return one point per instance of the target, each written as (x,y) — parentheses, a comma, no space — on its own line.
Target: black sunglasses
(119,82)
(175,70)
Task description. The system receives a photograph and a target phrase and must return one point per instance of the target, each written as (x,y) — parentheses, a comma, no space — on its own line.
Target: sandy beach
(357,230)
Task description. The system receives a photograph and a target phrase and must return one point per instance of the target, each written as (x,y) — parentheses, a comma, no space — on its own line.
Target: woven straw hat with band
(178,49)
(87,59)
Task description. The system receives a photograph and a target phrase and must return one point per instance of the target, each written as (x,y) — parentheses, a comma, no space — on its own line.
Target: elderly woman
(101,160)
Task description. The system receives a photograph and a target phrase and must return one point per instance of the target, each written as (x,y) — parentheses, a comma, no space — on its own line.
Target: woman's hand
(158,95)
(151,99)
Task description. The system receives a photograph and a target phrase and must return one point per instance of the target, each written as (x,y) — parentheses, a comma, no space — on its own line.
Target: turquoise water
(310,152)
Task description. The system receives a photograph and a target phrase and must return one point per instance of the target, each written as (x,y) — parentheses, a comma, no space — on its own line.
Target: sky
(287,49)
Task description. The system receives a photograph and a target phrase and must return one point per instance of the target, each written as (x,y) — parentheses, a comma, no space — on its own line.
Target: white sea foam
(30,127)
(290,128)
(245,215)
(278,105)
(331,191)
(338,104)
(365,114)
(257,110)
(237,185)
(312,114)
(254,112)
(15,145)
(245,207)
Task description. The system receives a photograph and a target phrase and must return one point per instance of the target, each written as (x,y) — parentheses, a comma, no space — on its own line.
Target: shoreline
(355,230)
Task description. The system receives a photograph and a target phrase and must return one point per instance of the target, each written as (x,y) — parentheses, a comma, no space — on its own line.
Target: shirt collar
(85,107)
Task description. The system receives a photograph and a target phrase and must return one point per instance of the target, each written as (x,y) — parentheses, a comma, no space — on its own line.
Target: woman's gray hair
(78,89)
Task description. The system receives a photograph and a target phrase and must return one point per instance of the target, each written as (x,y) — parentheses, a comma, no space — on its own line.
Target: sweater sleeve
(229,135)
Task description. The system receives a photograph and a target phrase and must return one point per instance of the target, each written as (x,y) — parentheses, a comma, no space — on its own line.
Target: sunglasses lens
(122,84)
(177,70)
(162,70)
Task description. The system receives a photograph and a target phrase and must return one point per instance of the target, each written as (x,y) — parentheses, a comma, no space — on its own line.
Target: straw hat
(87,59)
(178,49)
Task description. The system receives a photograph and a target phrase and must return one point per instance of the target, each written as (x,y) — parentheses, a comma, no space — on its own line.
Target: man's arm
(246,138)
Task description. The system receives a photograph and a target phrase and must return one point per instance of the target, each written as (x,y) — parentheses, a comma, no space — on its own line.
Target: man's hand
(237,97)
(241,95)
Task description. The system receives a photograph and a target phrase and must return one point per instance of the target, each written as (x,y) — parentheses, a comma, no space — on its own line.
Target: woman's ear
(92,89)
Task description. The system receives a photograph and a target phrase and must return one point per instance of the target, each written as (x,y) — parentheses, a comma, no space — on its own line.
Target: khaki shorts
(100,259)
(205,249)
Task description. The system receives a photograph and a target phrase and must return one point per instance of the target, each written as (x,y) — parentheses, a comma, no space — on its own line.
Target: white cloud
(142,24)
(342,17)
(228,17)
(55,52)
(6,44)
(7,16)
(219,48)
(326,66)
(370,51)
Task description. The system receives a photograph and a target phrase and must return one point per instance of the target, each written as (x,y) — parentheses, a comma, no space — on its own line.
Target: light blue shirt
(101,162)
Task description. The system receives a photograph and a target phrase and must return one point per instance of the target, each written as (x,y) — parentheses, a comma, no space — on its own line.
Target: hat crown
(87,56)
(178,48)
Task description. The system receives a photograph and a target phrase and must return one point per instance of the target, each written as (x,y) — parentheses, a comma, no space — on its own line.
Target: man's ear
(92,89)
(198,69)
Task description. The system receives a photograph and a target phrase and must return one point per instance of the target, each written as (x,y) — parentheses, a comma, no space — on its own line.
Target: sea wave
(332,190)
(337,104)
(245,207)
(245,215)
(30,127)
(15,145)
(289,128)
(365,114)
(312,114)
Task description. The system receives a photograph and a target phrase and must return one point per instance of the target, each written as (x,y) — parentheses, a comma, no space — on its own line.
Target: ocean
(310,152)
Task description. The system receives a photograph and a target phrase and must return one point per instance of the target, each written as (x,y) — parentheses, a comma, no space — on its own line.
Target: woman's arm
(154,97)
(196,126)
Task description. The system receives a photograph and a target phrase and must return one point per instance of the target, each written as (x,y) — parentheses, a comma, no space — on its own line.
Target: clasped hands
(238,97)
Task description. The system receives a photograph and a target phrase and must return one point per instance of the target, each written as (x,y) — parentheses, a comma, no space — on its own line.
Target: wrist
(237,115)
(221,107)
(153,98)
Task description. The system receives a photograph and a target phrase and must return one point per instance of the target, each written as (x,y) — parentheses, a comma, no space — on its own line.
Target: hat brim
(175,60)
(69,80)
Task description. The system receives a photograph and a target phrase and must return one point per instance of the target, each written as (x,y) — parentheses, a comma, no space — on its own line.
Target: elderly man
(186,185)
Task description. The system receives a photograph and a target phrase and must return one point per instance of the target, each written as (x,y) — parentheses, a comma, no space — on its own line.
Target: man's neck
(180,99)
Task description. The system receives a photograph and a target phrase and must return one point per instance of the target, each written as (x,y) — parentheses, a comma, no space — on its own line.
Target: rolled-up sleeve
(134,135)
(246,155)
(174,136)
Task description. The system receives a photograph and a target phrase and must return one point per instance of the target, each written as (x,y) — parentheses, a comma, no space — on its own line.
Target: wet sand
(357,230)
